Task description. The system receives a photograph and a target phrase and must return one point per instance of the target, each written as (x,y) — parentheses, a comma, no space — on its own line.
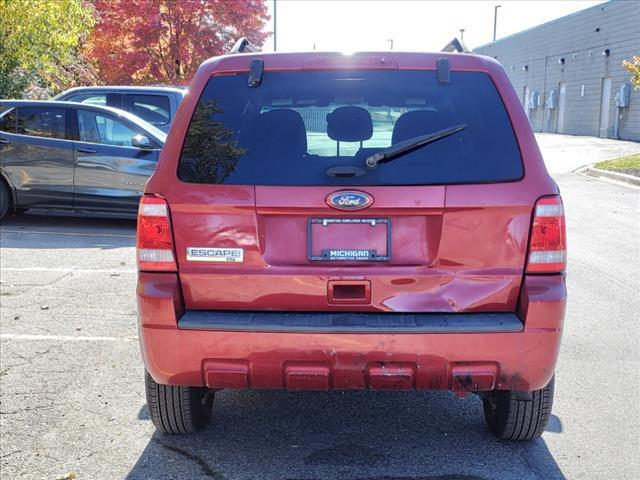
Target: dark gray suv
(157,105)
(74,157)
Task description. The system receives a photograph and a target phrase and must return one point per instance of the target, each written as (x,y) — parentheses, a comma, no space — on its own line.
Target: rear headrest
(415,123)
(349,124)
(282,130)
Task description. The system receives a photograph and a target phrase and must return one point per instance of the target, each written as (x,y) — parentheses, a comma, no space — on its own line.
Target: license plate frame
(371,256)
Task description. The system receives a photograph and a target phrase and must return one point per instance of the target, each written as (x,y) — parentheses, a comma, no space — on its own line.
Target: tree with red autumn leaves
(164,41)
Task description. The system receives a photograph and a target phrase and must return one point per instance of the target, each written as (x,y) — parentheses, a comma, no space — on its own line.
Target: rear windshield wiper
(402,148)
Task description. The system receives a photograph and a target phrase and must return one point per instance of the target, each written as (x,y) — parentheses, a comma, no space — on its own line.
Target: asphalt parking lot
(71,375)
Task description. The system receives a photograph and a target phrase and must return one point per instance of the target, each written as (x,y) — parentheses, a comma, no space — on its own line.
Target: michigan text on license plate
(337,254)
(349,239)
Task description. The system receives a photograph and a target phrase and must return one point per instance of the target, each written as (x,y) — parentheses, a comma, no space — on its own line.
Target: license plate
(349,239)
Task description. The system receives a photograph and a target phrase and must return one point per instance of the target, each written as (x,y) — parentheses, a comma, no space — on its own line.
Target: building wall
(532,59)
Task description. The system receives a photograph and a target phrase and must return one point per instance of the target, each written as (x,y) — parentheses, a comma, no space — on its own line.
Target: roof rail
(244,46)
(456,45)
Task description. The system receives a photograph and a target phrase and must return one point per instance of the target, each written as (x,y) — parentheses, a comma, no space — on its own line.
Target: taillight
(155,241)
(548,246)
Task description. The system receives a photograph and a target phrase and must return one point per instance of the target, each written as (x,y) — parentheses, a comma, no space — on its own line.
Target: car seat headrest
(415,123)
(349,124)
(283,130)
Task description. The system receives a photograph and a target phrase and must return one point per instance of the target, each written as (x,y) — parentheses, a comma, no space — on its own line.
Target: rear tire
(176,409)
(510,418)
(5,199)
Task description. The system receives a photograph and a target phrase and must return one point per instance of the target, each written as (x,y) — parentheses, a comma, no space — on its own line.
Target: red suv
(319,221)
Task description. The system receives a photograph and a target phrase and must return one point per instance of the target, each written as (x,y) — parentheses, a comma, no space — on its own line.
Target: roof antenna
(444,71)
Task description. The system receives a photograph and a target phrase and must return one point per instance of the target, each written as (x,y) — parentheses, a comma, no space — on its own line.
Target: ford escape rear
(320,221)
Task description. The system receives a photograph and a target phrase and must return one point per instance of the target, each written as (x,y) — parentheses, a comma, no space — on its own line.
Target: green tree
(634,67)
(210,152)
(40,44)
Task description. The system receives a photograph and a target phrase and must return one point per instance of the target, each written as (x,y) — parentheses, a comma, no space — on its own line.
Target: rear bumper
(195,348)
(350,322)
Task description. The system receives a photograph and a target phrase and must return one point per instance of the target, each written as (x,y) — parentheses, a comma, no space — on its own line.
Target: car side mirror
(142,142)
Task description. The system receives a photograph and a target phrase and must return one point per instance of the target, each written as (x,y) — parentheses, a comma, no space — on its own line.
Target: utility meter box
(534,100)
(552,99)
(622,97)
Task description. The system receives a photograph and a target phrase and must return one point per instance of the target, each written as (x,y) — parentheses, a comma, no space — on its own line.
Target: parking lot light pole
(275,43)
(495,20)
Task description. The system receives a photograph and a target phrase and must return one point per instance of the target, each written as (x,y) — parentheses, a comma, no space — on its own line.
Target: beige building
(569,74)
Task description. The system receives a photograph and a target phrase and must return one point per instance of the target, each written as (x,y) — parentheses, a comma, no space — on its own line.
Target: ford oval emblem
(349,200)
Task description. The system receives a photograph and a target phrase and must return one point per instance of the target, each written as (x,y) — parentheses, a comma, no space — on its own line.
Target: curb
(620,177)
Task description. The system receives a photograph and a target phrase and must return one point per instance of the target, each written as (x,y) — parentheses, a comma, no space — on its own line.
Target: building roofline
(550,22)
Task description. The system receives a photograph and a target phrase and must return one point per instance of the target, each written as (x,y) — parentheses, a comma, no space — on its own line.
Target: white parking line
(69,234)
(64,338)
(68,270)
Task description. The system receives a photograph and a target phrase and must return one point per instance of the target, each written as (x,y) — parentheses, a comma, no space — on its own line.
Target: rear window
(318,128)
(152,108)
(90,98)
(41,122)
(96,98)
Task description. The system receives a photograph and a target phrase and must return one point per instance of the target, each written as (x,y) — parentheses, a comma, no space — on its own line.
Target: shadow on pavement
(354,435)
(42,230)
(555,425)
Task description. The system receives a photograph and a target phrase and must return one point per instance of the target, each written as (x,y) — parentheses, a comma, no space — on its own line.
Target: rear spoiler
(244,46)
(457,46)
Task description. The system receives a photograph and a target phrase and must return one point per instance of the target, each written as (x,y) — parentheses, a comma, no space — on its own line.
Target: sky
(348,26)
